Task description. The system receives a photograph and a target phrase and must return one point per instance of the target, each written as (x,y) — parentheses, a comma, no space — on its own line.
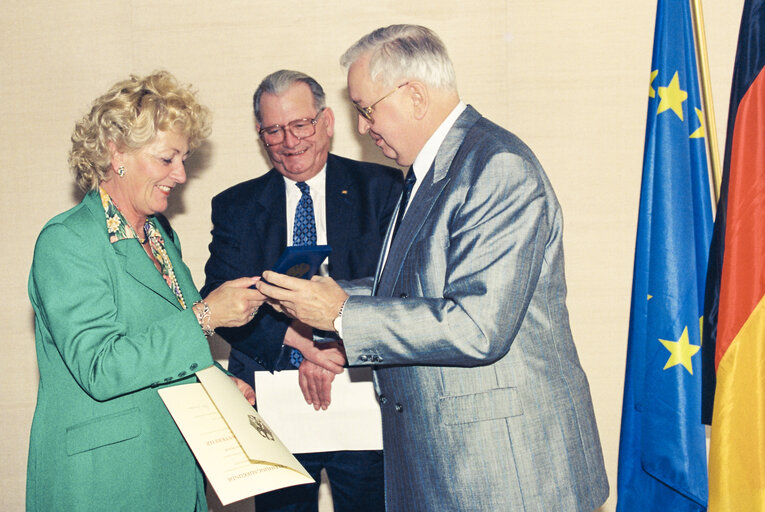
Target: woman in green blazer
(117,315)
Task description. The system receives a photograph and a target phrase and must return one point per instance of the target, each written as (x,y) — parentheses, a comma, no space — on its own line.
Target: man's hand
(316,302)
(329,356)
(246,389)
(316,384)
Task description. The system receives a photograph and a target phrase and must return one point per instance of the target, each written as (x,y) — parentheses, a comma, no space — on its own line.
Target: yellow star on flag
(672,97)
(681,352)
(699,133)
(651,90)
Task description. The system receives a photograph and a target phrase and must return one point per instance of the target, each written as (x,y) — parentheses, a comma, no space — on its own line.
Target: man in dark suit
(485,406)
(350,207)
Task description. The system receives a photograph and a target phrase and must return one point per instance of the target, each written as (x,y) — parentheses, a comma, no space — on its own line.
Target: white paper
(352,421)
(239,453)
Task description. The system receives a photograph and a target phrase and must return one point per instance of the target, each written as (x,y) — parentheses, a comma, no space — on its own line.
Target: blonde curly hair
(129,115)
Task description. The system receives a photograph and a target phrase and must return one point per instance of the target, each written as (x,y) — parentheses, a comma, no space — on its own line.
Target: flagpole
(706,96)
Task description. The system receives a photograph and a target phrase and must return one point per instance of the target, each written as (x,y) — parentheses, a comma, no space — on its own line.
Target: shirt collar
(116,224)
(316,184)
(427,154)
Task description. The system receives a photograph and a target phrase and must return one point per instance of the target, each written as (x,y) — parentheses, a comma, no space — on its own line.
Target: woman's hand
(234,303)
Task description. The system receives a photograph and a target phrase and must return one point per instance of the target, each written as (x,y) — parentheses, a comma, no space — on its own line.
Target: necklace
(145,233)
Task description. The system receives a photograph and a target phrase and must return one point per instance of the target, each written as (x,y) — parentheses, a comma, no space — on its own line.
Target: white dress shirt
(427,154)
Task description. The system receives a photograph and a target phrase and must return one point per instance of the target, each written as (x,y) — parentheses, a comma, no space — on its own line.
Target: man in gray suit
(484,403)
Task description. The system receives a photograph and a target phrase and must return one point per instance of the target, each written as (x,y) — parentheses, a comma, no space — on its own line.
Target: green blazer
(109,332)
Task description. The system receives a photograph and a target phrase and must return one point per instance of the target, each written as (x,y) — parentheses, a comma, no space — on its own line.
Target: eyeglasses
(299,128)
(366,112)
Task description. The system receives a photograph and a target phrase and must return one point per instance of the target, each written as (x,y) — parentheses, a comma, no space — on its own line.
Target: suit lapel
(133,259)
(452,143)
(413,221)
(339,202)
(270,221)
(433,184)
(139,266)
(182,272)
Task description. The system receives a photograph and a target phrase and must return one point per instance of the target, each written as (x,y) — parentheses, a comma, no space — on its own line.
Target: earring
(121,171)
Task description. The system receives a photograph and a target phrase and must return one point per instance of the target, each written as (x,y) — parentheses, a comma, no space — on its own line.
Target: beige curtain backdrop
(570,78)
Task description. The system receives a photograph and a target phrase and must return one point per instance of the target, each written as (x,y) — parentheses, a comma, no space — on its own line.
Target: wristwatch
(337,323)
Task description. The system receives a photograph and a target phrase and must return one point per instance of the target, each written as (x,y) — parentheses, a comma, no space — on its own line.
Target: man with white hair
(484,403)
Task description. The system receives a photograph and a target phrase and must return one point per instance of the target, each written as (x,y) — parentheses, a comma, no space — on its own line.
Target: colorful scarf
(120,229)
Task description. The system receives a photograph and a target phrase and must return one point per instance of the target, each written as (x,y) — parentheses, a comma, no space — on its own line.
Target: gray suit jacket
(485,405)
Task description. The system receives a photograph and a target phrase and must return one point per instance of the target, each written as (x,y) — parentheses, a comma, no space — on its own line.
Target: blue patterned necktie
(304,230)
(303,233)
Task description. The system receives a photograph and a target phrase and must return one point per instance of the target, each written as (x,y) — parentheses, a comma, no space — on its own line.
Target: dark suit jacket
(250,232)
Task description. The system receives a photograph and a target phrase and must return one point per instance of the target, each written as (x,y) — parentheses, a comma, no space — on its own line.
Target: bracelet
(203,317)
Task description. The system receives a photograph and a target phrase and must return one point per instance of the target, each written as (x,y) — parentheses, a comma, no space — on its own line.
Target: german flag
(734,331)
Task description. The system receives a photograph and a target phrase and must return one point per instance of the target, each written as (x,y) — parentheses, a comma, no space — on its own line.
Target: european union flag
(662,450)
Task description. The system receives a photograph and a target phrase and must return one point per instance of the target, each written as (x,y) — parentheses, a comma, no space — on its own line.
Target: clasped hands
(313,303)
(316,302)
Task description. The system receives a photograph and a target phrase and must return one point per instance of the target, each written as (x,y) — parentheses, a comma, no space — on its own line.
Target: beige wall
(570,78)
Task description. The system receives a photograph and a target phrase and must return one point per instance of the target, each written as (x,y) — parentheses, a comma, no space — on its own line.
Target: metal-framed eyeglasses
(299,128)
(366,112)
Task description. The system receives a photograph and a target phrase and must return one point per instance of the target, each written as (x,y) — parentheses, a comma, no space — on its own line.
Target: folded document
(240,455)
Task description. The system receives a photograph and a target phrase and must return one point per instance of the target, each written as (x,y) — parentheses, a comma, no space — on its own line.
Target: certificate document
(352,421)
(239,453)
